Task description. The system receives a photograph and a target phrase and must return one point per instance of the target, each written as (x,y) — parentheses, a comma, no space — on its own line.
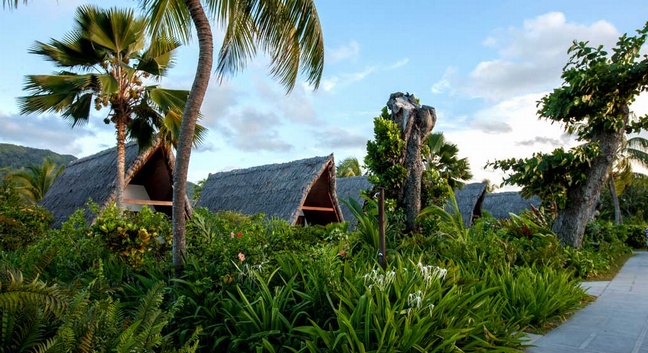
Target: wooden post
(382,255)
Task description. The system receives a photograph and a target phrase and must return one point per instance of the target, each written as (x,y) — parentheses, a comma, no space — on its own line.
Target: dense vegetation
(17,157)
(253,284)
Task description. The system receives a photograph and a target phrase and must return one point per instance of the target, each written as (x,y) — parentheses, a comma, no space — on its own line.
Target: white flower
(382,281)
(431,273)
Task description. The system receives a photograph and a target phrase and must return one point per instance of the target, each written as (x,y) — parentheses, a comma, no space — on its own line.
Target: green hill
(16,157)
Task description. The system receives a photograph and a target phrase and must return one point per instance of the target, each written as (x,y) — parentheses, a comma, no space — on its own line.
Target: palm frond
(117,30)
(72,52)
(168,18)
(169,99)
(159,57)
(288,30)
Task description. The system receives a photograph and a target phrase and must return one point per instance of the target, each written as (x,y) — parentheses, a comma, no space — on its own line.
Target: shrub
(133,236)
(534,295)
(412,307)
(636,236)
(20,223)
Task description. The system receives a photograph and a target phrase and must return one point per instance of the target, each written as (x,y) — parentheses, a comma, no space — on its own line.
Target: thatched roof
(469,199)
(291,191)
(94,178)
(351,188)
(501,204)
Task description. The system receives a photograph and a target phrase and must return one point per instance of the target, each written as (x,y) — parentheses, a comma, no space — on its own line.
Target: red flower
(239,234)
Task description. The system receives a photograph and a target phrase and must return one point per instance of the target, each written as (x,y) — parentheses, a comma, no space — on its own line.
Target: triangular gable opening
(152,185)
(318,207)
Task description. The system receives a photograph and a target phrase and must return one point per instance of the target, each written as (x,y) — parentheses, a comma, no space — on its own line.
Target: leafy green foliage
(28,309)
(441,156)
(33,182)
(252,284)
(134,236)
(21,223)
(534,295)
(385,155)
(549,175)
(348,167)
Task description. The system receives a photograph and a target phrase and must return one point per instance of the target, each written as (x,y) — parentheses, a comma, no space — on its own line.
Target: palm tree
(288,30)
(442,157)
(34,182)
(12,4)
(105,61)
(634,150)
(349,167)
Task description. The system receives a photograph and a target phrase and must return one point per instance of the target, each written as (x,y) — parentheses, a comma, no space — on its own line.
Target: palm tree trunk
(188,126)
(121,162)
(615,200)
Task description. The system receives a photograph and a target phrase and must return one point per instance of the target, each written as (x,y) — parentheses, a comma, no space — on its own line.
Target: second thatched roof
(293,191)
(469,200)
(351,188)
(500,205)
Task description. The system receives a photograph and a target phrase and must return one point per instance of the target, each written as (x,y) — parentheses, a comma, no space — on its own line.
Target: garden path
(617,322)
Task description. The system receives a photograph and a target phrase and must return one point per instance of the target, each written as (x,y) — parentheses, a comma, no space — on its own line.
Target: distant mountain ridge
(16,157)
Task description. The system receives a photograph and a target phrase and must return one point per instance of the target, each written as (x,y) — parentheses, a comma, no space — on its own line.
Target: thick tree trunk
(121,163)
(415,123)
(571,221)
(615,200)
(188,126)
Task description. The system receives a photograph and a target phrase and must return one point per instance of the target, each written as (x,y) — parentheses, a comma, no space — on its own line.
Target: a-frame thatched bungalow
(300,192)
(469,200)
(149,180)
(351,188)
(500,205)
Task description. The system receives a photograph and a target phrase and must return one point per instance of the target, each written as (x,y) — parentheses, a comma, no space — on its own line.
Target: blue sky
(482,64)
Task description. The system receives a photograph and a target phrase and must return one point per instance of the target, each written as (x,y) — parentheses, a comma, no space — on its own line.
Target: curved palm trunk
(572,220)
(121,163)
(615,200)
(187,127)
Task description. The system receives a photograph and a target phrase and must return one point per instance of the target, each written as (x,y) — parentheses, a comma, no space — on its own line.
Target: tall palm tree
(443,158)
(34,182)
(348,167)
(634,150)
(289,31)
(12,4)
(107,61)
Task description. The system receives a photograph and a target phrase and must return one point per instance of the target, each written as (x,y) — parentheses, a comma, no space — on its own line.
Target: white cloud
(335,137)
(295,107)
(443,84)
(531,58)
(520,135)
(399,63)
(329,84)
(251,130)
(54,133)
(349,51)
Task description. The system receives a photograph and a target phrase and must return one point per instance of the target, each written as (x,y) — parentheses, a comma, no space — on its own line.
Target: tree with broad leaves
(592,103)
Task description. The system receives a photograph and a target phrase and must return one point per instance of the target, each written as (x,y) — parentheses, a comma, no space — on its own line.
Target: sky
(483,65)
